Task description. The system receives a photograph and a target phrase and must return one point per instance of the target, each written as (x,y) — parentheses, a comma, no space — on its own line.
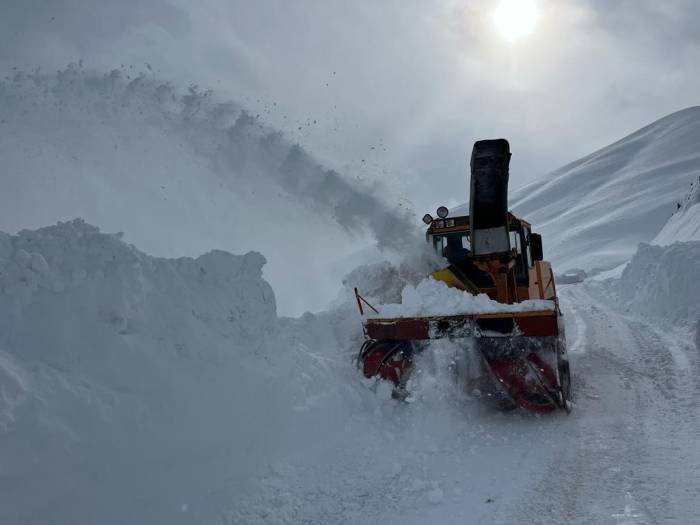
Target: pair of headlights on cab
(442,212)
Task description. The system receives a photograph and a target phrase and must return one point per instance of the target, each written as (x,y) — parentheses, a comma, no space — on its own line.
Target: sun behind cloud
(515,19)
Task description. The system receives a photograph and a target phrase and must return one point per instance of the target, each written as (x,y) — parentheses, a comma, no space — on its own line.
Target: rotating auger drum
(524,366)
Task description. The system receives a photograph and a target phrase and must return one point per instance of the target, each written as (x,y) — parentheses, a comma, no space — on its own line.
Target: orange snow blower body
(521,354)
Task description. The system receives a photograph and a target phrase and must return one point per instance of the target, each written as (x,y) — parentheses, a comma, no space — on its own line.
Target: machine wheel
(564,373)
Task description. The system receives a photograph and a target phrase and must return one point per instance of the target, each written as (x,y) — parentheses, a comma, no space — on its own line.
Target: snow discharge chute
(488,201)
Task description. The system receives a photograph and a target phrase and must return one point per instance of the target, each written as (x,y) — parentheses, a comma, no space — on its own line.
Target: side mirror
(536,246)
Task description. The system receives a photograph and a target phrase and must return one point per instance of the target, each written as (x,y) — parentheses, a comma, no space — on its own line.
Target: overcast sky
(398,89)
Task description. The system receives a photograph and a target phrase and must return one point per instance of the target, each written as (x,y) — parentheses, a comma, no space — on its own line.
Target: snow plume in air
(252,148)
(183,172)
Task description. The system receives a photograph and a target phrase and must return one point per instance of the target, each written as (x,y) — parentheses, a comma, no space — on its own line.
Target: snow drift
(593,212)
(182,173)
(661,280)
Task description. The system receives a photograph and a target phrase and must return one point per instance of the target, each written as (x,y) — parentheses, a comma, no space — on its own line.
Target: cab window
(528,251)
(439,243)
(515,242)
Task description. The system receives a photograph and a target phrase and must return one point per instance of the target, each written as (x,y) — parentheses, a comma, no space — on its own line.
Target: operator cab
(451,239)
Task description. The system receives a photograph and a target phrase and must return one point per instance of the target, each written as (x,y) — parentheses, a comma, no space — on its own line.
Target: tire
(564,372)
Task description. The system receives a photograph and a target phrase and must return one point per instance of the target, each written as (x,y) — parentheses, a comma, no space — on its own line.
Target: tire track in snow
(586,483)
(632,457)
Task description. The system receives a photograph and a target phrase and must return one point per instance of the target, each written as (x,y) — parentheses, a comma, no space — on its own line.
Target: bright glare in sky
(515,19)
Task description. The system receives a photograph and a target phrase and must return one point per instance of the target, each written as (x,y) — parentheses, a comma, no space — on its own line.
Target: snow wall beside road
(134,388)
(663,282)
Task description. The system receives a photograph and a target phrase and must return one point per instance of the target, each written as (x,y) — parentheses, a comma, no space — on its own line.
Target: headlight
(427,218)
(449,223)
(442,212)
(439,224)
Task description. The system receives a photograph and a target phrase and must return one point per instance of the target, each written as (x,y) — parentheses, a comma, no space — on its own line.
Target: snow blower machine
(520,352)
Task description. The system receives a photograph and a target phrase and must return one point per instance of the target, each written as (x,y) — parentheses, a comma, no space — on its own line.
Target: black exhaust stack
(488,199)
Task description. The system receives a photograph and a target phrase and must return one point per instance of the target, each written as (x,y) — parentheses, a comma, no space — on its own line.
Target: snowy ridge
(593,212)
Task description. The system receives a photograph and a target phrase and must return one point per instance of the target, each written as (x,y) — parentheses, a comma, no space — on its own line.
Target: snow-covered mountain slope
(182,173)
(684,224)
(593,212)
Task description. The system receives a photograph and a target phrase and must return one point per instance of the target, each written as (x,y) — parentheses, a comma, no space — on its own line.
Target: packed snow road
(628,452)
(631,456)
(625,455)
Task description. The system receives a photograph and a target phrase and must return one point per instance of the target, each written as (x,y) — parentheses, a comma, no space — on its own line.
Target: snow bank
(431,297)
(133,293)
(126,381)
(663,282)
